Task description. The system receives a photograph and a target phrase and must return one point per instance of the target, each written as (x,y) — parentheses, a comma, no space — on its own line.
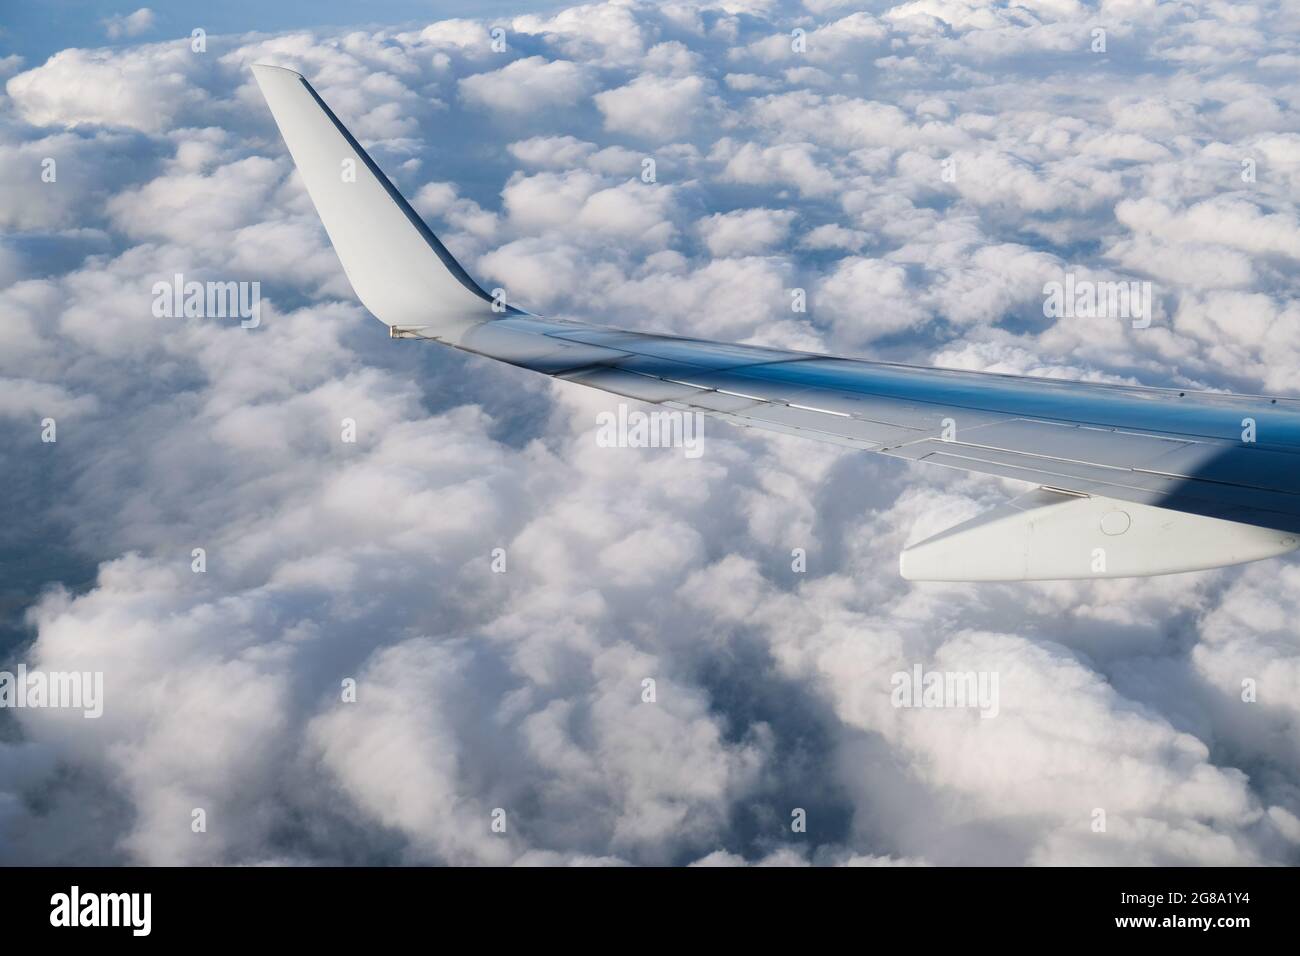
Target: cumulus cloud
(832,235)
(793,164)
(903,172)
(526,85)
(144,88)
(745,231)
(653,107)
(129,24)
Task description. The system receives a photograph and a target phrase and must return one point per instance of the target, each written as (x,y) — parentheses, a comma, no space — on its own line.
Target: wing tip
(270,70)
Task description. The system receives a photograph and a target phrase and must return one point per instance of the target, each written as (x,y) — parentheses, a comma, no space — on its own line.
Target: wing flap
(1085,444)
(644,388)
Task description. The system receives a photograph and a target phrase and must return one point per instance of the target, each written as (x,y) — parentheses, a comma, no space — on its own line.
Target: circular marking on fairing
(1115,522)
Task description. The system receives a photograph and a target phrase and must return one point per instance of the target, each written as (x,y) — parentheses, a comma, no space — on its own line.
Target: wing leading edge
(1139,481)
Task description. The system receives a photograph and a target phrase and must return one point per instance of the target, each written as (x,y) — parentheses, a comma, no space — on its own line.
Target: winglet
(399,269)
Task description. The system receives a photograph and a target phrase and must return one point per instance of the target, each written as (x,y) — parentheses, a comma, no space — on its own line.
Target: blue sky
(34,31)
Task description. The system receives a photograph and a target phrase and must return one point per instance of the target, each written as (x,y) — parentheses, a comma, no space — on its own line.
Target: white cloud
(869,298)
(143,88)
(526,85)
(652,107)
(129,24)
(834,236)
(793,164)
(1229,221)
(605,34)
(748,82)
(558,152)
(745,231)
(523,690)
(841,40)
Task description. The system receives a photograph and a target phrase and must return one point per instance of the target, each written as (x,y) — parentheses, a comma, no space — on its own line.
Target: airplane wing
(1128,481)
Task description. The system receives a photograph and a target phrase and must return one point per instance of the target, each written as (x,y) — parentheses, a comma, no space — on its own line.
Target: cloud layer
(919,171)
